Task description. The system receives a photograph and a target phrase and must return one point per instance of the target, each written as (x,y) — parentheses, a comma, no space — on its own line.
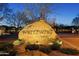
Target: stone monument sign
(39,32)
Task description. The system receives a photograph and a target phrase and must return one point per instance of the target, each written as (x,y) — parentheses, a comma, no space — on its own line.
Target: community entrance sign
(39,32)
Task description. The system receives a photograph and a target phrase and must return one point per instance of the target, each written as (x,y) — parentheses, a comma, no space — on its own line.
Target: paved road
(70,40)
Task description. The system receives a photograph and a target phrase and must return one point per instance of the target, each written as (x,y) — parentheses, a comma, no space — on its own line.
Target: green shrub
(56,45)
(69,51)
(45,49)
(32,47)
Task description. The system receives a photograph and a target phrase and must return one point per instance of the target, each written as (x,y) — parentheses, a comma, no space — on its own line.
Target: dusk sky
(63,12)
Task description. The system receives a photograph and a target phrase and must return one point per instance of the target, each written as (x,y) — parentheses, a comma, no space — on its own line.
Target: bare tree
(43,10)
(29,13)
(75,21)
(21,18)
(4,9)
(17,19)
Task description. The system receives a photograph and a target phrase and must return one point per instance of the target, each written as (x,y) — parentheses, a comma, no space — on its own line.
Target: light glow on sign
(38,32)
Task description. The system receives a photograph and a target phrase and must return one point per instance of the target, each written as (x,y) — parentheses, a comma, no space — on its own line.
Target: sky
(63,13)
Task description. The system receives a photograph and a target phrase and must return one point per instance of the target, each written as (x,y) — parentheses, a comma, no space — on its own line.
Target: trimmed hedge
(69,51)
(7,48)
